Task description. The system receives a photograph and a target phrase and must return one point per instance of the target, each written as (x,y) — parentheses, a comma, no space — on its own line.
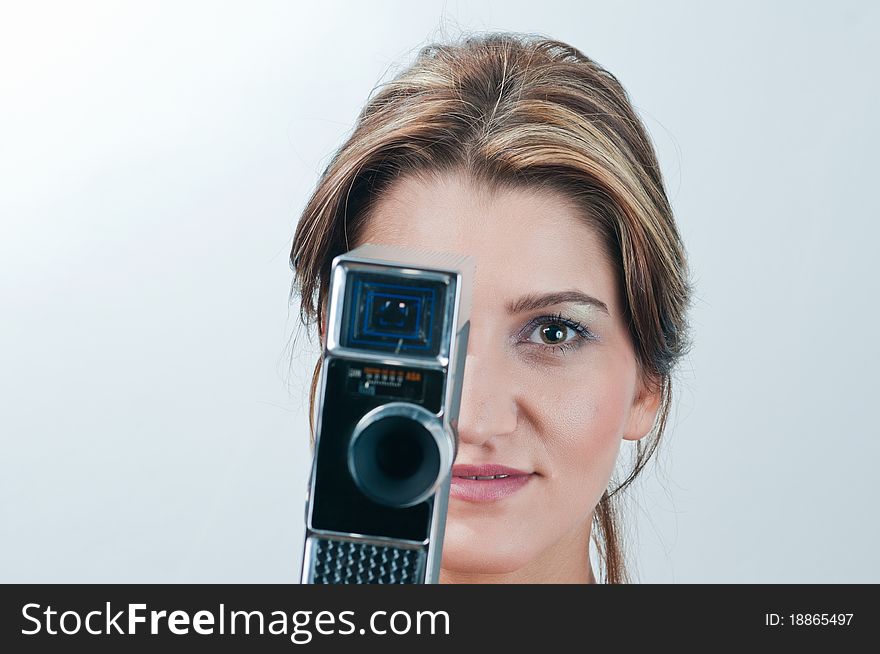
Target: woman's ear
(643,411)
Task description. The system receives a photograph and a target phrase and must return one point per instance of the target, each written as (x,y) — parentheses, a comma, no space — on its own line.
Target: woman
(527,155)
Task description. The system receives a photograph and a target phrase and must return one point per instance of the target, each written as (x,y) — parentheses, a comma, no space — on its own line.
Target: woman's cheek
(589,428)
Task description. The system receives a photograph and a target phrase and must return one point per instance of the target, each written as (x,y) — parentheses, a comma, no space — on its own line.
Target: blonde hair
(524,111)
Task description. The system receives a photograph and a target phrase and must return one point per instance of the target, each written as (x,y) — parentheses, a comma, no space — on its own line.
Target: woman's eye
(555,332)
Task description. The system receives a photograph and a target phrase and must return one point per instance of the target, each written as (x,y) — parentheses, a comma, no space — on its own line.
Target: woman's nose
(487,407)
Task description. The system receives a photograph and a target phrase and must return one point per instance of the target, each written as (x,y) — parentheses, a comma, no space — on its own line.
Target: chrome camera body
(389,393)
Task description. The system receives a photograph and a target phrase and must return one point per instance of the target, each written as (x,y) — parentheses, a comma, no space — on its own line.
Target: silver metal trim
(384,541)
(375,540)
(388,359)
(452,373)
(322,383)
(438,530)
(308,565)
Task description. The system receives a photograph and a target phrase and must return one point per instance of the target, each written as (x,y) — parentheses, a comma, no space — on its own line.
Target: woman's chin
(485,559)
(485,546)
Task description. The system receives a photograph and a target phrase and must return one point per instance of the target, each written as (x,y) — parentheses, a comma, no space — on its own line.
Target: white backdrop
(154,158)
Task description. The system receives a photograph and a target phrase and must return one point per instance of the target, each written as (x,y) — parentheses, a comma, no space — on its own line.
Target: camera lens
(395,460)
(399,455)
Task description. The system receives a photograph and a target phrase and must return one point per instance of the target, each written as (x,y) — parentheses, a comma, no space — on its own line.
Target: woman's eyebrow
(538,300)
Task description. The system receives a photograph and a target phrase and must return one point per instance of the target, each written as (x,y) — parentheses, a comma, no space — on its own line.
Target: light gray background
(154,158)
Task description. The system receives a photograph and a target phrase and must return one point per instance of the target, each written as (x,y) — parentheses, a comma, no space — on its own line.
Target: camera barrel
(399,454)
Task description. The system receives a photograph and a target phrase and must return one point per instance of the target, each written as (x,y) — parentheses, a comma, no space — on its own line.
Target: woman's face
(551,384)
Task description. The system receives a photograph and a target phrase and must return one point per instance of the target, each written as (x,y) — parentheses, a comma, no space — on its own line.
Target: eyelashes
(570,333)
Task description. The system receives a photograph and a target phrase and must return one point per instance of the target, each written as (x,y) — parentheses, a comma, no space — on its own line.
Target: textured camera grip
(352,562)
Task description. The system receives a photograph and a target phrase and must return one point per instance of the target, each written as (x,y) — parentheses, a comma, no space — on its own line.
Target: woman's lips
(487,482)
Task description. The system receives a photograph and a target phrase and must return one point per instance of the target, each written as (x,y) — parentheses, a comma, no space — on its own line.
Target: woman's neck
(566,562)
